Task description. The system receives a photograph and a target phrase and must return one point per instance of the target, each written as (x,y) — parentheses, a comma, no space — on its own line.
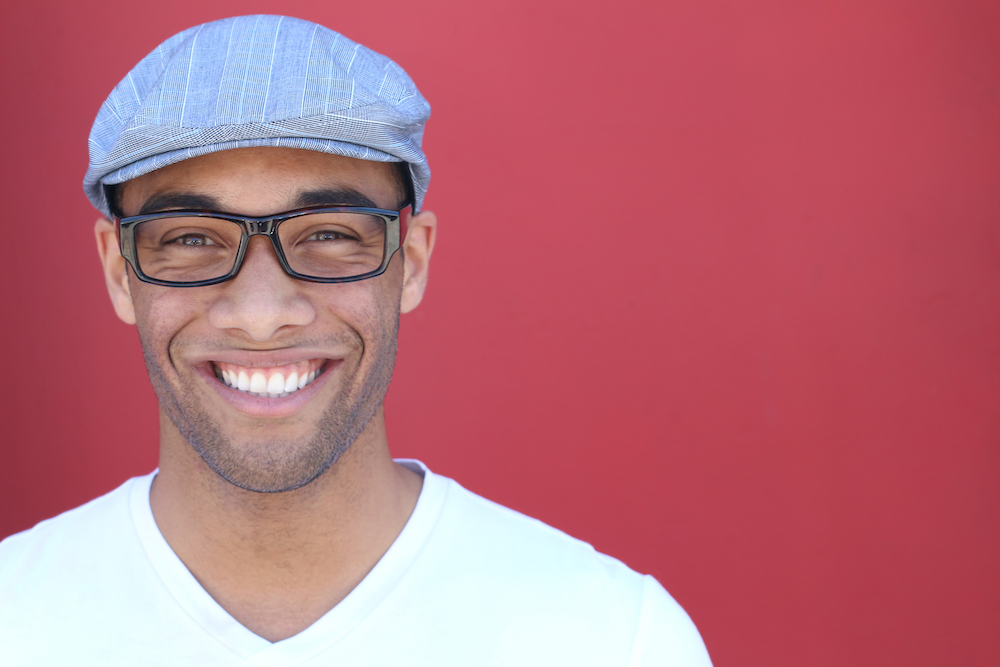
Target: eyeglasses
(322,244)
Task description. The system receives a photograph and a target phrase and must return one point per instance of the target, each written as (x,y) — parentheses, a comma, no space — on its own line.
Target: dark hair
(111,194)
(405,183)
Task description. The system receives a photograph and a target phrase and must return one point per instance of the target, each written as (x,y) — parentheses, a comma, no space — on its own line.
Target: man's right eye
(191,240)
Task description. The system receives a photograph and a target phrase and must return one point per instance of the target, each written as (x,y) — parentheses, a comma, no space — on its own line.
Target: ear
(417,248)
(115,270)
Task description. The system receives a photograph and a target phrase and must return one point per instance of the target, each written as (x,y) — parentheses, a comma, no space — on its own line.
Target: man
(255,174)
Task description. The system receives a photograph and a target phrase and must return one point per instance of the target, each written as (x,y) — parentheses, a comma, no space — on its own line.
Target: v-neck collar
(331,627)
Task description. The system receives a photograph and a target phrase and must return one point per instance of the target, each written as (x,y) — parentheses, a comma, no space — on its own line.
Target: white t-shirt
(467,582)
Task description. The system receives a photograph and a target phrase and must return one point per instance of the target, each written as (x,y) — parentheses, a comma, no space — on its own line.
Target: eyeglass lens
(319,245)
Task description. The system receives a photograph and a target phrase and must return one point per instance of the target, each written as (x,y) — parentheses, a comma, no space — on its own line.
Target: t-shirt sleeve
(665,636)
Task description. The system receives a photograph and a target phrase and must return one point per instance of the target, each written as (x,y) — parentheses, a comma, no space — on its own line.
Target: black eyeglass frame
(264,226)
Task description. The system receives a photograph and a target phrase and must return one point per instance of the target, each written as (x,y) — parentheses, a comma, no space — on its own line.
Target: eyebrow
(322,197)
(178,200)
(334,197)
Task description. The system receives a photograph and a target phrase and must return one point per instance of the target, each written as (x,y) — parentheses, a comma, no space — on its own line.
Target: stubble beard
(274,465)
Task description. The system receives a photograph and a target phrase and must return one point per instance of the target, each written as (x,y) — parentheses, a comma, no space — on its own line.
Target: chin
(271,463)
(268,467)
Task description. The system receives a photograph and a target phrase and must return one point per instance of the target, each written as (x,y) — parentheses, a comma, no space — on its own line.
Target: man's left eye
(195,239)
(327,236)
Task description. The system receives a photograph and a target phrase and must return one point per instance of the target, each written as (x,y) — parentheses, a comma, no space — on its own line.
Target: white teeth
(276,384)
(258,383)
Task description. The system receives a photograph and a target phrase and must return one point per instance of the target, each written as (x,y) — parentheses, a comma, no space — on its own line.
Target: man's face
(264,322)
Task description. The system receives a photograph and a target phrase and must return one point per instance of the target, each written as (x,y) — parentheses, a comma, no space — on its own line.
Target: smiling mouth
(276,382)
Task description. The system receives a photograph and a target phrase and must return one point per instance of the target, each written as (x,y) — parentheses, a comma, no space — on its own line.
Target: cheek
(366,307)
(389,291)
(162,312)
(369,307)
(372,296)
(391,282)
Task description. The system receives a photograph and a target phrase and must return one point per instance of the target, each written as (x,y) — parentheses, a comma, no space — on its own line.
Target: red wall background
(716,290)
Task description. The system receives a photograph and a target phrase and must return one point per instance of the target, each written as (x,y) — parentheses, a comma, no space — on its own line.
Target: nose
(262,299)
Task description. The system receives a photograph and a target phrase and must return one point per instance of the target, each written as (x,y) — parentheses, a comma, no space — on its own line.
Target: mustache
(207,347)
(223,342)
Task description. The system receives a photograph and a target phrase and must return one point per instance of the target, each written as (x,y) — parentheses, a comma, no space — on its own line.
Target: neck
(279,561)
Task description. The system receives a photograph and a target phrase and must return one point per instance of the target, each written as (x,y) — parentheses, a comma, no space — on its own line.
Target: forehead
(264,180)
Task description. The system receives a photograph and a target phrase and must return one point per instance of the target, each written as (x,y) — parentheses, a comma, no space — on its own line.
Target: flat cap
(257,81)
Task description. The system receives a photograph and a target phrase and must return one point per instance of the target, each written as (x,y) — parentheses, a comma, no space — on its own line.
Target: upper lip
(262,358)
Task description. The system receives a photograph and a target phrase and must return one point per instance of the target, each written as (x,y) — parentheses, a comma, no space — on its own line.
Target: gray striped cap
(257,81)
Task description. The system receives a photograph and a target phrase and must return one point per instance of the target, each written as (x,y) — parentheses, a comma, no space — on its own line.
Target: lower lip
(264,406)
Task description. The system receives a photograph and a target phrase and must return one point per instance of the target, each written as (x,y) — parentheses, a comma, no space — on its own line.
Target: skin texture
(279,507)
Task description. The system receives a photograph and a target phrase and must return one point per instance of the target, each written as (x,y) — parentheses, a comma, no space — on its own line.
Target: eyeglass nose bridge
(267,227)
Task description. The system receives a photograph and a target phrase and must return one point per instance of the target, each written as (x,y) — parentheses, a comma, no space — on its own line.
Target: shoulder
(557,593)
(665,634)
(516,543)
(66,533)
(61,560)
